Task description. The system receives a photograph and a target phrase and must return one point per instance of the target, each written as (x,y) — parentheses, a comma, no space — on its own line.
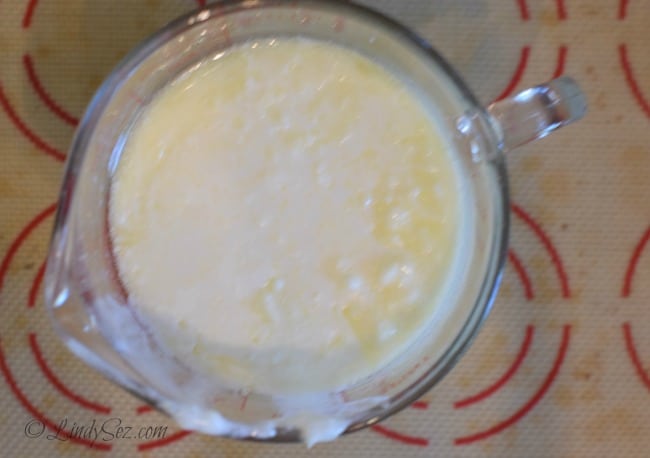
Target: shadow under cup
(89,305)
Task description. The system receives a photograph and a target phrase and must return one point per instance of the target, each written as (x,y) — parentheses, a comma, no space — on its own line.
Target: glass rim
(496,164)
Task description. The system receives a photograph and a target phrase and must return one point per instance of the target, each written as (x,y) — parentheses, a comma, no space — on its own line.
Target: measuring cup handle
(536,112)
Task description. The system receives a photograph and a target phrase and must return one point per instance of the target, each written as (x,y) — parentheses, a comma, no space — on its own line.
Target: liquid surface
(285,216)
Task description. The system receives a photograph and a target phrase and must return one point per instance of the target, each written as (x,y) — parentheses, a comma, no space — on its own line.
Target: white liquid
(285,215)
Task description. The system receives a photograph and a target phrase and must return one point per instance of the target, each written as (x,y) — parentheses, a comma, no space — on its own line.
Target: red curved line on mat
(523,10)
(517,75)
(548,245)
(162,442)
(143,409)
(28,229)
(522,273)
(58,384)
(622,9)
(399,437)
(501,382)
(29,12)
(422,405)
(532,402)
(561,10)
(244,401)
(634,260)
(43,94)
(26,131)
(4,368)
(631,80)
(561,59)
(36,284)
(634,355)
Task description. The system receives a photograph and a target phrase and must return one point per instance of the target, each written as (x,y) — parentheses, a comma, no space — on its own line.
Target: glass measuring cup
(91,309)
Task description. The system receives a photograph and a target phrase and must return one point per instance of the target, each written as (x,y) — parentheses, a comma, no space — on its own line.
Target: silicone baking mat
(562,366)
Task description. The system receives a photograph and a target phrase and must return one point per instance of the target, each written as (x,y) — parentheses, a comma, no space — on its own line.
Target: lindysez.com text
(94,430)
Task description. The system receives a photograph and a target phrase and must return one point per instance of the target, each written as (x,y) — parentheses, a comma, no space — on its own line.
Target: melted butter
(285,210)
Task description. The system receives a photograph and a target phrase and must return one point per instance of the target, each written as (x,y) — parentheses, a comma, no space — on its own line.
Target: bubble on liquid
(355,283)
(386,330)
(345,139)
(391,274)
(278,284)
(343,264)
(407,269)
(263,222)
(399,219)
